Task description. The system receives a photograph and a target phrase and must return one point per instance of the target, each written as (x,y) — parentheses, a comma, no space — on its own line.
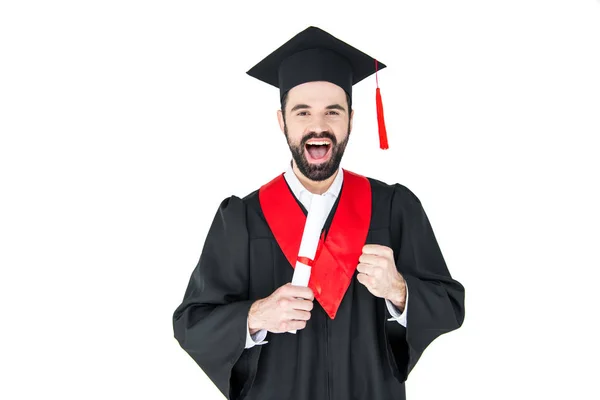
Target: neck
(315,187)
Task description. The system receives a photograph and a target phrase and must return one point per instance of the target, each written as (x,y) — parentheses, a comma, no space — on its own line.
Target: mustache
(323,135)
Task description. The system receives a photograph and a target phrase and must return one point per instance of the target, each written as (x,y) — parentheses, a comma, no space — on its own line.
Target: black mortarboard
(315,55)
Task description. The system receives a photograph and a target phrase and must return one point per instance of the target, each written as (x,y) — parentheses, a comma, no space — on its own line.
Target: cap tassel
(383,142)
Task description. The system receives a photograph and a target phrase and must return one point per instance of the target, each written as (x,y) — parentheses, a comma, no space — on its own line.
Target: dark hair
(285,98)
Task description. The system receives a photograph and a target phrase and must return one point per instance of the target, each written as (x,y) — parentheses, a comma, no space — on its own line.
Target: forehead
(317,92)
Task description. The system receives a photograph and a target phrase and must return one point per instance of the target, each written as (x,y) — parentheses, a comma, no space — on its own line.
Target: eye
(302,113)
(334,112)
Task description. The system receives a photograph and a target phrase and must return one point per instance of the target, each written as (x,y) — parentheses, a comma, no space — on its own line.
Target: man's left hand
(377,271)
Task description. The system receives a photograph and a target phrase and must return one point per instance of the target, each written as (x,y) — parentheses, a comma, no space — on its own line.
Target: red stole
(337,256)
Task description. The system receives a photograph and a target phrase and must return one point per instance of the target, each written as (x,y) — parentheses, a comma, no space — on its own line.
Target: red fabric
(337,256)
(306,261)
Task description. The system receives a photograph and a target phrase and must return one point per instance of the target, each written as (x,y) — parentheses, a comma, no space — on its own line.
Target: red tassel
(383,142)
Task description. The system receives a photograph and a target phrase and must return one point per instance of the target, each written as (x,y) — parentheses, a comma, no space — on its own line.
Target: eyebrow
(330,107)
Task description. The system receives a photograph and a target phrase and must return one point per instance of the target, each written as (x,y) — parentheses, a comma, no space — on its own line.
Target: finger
(300,292)
(290,325)
(377,249)
(365,280)
(367,269)
(300,304)
(298,315)
(374,271)
(296,324)
(371,259)
(283,289)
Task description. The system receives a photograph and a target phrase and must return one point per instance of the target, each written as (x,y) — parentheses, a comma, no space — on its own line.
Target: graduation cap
(315,55)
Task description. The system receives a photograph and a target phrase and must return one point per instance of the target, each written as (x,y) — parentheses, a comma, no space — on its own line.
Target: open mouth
(318,150)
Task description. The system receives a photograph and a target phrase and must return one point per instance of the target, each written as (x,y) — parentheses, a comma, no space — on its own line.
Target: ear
(350,122)
(280,120)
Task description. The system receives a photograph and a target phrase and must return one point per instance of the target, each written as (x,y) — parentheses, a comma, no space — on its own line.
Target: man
(371,288)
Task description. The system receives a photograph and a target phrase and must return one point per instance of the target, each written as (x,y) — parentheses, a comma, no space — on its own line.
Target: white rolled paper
(301,274)
(310,240)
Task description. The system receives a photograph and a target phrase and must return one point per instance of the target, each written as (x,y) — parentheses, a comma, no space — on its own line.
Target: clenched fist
(377,271)
(288,308)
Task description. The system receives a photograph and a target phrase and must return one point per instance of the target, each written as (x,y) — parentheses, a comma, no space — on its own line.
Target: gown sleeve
(436,300)
(211,322)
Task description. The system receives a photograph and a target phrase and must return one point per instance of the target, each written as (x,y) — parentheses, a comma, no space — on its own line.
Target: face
(317,126)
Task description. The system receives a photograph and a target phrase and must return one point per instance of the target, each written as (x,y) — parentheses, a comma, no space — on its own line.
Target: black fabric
(358,355)
(314,55)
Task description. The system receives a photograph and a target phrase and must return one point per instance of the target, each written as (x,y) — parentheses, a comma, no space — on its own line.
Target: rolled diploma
(310,240)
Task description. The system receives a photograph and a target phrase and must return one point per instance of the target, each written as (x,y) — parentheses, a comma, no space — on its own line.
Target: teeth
(321,143)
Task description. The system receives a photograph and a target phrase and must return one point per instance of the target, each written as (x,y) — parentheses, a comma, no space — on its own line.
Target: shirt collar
(298,188)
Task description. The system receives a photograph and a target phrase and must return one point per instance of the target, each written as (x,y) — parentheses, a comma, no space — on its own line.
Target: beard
(321,171)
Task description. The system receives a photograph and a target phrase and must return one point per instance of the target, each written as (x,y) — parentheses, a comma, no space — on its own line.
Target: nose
(318,125)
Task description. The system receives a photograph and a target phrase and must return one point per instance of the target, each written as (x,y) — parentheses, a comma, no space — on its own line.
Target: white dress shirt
(305,197)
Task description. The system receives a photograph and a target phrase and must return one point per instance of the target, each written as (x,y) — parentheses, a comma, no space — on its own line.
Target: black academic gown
(358,355)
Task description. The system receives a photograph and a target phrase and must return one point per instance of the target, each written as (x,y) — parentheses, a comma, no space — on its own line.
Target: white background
(125,123)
